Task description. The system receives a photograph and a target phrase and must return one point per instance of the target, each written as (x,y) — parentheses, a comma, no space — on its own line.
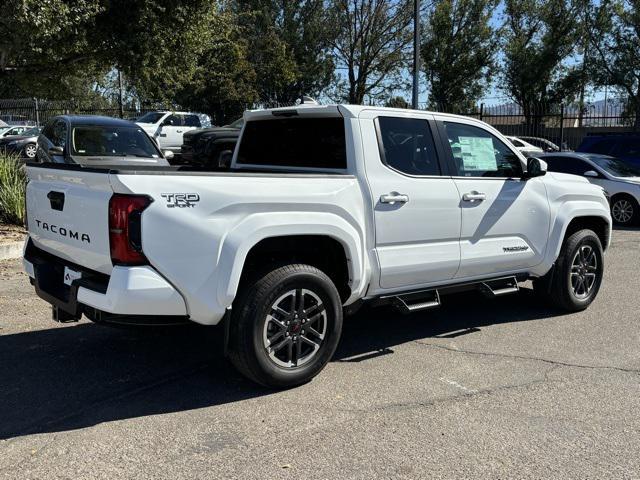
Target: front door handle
(474,196)
(394,197)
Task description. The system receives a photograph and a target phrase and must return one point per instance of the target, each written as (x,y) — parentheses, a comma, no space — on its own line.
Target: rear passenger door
(505,219)
(415,201)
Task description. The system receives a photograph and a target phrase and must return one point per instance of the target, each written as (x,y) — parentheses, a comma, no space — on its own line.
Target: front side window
(173,120)
(103,141)
(478,153)
(407,145)
(191,121)
(303,142)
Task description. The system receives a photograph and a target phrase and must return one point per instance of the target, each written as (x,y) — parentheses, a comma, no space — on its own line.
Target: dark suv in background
(625,146)
(205,147)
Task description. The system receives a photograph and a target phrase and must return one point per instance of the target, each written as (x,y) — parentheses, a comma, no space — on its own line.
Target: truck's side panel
(201,248)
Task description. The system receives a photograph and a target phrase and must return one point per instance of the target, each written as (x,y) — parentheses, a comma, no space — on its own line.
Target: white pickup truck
(324,208)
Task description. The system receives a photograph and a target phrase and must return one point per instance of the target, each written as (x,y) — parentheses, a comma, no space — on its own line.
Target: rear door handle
(394,197)
(474,196)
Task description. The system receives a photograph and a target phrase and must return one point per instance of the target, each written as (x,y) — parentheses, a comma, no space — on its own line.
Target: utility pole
(416,52)
(121,95)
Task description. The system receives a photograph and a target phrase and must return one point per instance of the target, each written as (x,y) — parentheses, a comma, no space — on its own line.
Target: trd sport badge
(181,200)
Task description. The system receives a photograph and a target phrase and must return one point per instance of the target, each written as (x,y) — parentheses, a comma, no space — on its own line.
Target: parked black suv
(205,147)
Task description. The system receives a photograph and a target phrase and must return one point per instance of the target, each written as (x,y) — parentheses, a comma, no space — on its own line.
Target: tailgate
(67,212)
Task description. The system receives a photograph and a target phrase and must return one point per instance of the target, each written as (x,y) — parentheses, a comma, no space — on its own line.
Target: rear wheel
(30,150)
(574,282)
(285,326)
(624,210)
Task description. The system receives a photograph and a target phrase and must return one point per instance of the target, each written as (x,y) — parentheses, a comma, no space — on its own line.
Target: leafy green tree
(60,48)
(617,50)
(288,45)
(224,83)
(458,52)
(371,46)
(539,36)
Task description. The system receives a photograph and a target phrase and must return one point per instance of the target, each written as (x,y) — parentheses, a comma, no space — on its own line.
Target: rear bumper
(128,291)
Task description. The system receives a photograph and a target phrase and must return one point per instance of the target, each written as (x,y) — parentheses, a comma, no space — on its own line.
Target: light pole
(416,52)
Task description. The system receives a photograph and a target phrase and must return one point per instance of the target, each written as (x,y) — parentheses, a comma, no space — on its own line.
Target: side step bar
(499,286)
(416,301)
(425,299)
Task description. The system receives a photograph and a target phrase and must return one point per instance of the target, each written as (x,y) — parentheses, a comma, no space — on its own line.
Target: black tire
(624,210)
(563,289)
(249,329)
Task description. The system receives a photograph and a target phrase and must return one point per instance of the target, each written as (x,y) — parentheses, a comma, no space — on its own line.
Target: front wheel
(574,282)
(285,326)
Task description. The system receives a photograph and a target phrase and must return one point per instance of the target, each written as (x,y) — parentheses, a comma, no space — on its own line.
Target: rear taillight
(125,234)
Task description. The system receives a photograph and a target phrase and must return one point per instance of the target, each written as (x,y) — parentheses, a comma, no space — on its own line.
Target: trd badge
(181,200)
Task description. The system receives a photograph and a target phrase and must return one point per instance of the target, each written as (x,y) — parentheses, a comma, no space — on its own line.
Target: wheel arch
(254,244)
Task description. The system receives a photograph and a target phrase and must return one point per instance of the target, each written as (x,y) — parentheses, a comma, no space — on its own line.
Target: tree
(224,83)
(539,36)
(61,47)
(288,46)
(617,50)
(458,52)
(370,45)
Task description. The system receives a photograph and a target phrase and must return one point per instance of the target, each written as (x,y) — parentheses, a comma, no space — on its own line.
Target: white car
(16,130)
(167,128)
(324,208)
(619,178)
(525,147)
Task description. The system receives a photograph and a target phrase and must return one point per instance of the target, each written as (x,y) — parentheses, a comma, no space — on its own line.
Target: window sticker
(478,154)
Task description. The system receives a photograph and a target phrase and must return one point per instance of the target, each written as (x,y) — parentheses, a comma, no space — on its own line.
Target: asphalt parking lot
(480,388)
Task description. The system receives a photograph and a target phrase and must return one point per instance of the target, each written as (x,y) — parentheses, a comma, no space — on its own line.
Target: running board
(416,301)
(499,287)
(425,299)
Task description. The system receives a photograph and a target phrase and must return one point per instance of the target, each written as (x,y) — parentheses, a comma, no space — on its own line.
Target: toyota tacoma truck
(324,208)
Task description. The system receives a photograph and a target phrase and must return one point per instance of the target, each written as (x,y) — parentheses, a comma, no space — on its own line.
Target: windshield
(151,117)
(616,167)
(110,141)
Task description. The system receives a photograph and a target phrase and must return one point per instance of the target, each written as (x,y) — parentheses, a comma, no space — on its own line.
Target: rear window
(294,142)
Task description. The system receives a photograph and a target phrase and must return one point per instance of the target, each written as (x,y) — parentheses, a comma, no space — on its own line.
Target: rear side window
(407,145)
(294,142)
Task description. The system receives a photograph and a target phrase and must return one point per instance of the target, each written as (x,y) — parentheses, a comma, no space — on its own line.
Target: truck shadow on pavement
(80,375)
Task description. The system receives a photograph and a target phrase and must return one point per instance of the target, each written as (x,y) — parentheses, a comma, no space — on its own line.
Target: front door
(416,206)
(505,219)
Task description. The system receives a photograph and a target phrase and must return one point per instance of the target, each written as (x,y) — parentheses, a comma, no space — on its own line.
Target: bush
(13,181)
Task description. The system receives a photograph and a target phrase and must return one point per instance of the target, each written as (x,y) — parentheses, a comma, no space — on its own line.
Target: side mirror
(224,159)
(535,168)
(168,154)
(591,173)
(57,151)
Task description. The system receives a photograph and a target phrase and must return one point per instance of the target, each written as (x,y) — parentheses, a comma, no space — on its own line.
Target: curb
(9,251)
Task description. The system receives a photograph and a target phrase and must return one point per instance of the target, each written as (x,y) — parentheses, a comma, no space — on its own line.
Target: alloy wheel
(584,270)
(295,328)
(622,211)
(30,151)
